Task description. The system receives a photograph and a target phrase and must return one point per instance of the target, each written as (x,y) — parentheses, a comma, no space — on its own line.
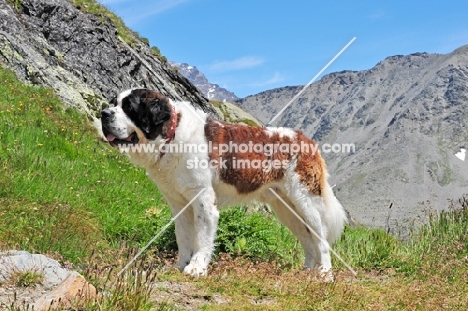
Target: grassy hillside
(70,190)
(65,193)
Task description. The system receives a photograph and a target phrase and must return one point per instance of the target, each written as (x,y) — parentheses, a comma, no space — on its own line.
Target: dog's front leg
(205,220)
(185,231)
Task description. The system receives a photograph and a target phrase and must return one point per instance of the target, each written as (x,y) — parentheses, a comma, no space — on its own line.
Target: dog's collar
(171,132)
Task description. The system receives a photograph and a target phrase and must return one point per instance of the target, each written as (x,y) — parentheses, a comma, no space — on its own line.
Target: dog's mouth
(132,139)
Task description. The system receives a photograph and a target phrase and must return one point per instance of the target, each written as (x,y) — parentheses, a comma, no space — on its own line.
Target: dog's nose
(107,114)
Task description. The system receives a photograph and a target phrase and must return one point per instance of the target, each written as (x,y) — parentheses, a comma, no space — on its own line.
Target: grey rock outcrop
(57,288)
(12,261)
(52,43)
(231,113)
(407,118)
(21,261)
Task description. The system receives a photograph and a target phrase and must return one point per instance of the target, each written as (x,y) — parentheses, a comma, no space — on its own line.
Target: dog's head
(137,114)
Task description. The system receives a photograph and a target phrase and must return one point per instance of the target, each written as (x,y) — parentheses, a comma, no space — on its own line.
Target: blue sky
(252,46)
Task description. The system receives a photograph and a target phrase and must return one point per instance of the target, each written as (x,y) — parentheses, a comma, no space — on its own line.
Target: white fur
(196,227)
(282,131)
(122,126)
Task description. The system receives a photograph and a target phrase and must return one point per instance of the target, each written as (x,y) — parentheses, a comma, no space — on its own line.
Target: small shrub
(367,248)
(145,40)
(26,278)
(256,236)
(156,52)
(16,4)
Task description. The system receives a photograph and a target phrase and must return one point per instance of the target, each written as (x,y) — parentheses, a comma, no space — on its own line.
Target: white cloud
(377,15)
(276,78)
(136,11)
(245,62)
(161,6)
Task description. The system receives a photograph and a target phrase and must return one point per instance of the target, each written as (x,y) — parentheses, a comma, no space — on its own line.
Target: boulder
(69,290)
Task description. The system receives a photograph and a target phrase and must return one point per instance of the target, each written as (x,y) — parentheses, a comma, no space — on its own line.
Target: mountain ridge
(210,90)
(407,119)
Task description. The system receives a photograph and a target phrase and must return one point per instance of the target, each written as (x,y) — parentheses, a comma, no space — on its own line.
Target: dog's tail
(334,215)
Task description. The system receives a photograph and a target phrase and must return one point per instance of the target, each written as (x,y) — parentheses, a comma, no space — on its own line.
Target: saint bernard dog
(293,182)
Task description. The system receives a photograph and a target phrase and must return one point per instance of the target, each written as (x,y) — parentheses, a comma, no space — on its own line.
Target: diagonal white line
(148,66)
(161,231)
(312,230)
(194,112)
(310,82)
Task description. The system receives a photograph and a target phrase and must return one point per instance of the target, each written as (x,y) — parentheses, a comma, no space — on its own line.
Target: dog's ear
(158,112)
(132,104)
(137,101)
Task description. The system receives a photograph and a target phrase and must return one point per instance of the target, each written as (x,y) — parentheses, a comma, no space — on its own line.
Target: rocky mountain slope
(407,117)
(210,90)
(81,56)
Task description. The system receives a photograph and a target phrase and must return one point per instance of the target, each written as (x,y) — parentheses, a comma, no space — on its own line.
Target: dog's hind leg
(306,225)
(287,218)
(205,220)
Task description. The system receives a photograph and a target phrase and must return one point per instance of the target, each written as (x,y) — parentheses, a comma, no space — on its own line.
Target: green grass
(258,237)
(26,278)
(438,247)
(16,4)
(429,272)
(367,248)
(56,171)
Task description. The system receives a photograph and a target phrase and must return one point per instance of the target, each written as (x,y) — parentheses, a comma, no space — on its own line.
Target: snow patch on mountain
(197,78)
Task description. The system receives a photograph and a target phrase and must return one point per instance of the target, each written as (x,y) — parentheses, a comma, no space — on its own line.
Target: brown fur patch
(311,167)
(248,171)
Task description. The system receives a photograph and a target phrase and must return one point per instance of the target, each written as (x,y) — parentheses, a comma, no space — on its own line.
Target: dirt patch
(184,295)
(20,296)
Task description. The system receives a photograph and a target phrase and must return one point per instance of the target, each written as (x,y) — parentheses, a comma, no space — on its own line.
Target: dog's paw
(182,263)
(324,274)
(327,276)
(195,270)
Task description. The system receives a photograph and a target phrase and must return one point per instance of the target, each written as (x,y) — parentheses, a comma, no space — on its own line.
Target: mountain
(86,58)
(407,118)
(210,90)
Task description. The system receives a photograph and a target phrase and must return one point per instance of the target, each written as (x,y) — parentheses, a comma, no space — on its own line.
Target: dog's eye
(113,102)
